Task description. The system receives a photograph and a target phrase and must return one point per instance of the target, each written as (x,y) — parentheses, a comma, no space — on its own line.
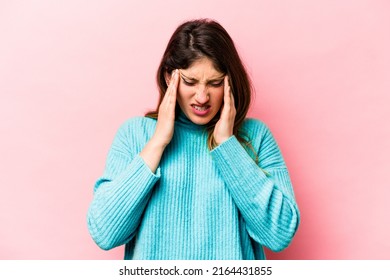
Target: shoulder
(137,123)
(255,128)
(263,141)
(135,127)
(257,133)
(133,134)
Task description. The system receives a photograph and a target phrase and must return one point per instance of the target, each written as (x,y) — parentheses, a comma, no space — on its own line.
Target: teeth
(203,108)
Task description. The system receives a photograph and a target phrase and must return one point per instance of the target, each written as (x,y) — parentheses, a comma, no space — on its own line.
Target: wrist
(157,144)
(152,153)
(222,139)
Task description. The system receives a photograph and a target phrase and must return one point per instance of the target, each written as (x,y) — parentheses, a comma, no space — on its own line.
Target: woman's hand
(224,127)
(166,113)
(163,134)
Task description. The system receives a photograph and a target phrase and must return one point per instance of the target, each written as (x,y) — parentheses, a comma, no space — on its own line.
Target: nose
(202,95)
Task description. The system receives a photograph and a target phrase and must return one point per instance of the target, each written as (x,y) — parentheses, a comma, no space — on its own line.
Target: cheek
(183,93)
(217,95)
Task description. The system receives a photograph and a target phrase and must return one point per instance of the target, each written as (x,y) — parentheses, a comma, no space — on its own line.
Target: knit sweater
(199,204)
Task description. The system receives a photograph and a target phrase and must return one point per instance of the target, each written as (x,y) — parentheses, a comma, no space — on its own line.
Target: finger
(227,92)
(232,98)
(233,103)
(172,89)
(174,83)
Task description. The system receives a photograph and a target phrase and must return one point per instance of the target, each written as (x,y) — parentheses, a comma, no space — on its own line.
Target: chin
(200,120)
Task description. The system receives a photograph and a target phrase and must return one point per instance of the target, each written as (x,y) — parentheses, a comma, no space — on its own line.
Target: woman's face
(200,91)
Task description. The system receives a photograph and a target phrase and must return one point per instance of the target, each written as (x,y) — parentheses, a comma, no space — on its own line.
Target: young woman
(195,179)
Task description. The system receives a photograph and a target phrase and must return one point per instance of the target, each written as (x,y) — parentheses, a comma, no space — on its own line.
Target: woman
(195,179)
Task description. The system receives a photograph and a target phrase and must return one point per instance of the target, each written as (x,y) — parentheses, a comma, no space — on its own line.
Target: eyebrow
(209,81)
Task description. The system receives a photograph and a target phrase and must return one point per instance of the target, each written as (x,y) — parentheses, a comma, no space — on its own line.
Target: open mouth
(201,108)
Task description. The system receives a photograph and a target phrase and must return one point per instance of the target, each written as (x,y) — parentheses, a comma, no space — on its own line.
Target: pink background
(71,72)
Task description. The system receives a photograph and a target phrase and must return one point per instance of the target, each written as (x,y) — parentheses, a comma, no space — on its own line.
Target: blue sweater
(199,204)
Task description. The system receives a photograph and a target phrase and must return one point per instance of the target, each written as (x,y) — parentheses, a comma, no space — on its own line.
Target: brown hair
(200,38)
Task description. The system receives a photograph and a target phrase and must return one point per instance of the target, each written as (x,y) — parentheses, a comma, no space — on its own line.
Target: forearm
(152,153)
(118,204)
(153,150)
(265,202)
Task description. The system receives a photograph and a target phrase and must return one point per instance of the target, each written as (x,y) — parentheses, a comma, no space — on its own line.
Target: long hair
(200,38)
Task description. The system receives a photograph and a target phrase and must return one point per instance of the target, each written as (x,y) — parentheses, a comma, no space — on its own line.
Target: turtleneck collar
(184,121)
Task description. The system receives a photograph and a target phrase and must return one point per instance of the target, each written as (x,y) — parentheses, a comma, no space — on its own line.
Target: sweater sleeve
(121,194)
(265,201)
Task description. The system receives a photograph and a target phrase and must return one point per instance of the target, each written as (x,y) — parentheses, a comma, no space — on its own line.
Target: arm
(154,149)
(266,202)
(122,194)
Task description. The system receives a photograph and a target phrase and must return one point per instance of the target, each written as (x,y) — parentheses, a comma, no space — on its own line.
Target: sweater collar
(184,121)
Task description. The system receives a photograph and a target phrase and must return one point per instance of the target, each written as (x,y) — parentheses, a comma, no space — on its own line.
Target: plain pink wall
(71,72)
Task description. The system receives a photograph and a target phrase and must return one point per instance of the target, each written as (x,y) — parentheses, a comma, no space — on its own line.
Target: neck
(184,121)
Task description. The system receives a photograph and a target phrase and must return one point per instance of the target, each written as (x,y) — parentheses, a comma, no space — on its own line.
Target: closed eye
(193,82)
(218,84)
(188,83)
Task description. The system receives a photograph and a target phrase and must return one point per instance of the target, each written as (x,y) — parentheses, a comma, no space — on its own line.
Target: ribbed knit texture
(200,204)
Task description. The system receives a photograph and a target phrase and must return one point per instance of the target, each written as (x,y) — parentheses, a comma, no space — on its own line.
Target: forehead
(202,69)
